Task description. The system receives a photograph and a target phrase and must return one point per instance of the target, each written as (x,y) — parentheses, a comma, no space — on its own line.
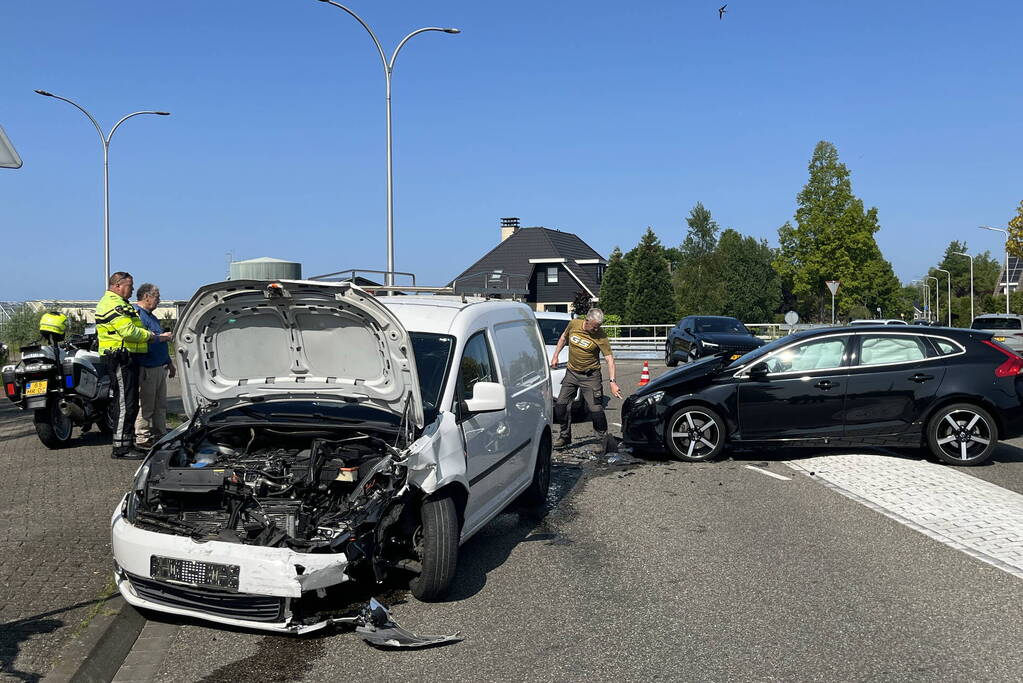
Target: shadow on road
(14,633)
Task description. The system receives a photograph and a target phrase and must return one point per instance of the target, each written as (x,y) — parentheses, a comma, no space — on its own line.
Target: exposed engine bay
(315,489)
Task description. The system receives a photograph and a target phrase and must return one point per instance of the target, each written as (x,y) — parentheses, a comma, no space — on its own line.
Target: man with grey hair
(586,343)
(155,367)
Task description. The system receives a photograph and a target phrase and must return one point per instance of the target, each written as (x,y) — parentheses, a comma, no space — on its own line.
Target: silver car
(1007,328)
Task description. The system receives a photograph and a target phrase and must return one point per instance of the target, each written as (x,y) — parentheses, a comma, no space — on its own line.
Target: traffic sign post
(833,287)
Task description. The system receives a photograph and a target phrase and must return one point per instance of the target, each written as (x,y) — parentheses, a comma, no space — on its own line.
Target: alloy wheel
(695,434)
(963,435)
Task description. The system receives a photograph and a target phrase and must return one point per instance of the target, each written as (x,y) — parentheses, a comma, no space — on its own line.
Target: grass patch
(108,592)
(175,420)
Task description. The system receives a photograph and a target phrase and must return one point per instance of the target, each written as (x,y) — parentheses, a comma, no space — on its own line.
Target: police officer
(122,339)
(586,344)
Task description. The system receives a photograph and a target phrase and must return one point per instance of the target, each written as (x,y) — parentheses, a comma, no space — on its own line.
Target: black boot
(127,454)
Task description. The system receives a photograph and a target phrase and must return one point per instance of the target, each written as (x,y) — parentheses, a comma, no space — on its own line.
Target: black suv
(697,336)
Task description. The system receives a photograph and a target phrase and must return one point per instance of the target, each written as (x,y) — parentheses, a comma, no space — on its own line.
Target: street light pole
(963,253)
(948,303)
(388,72)
(105,139)
(937,297)
(1005,234)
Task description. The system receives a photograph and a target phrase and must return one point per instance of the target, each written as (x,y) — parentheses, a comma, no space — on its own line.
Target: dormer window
(552,275)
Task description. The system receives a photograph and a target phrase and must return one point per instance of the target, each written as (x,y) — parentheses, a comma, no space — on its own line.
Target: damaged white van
(333,435)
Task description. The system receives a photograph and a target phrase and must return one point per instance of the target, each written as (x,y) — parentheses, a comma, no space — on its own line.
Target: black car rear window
(551,329)
(997,324)
(720,325)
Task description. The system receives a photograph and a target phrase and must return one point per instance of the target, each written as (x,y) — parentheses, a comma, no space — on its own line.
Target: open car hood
(246,340)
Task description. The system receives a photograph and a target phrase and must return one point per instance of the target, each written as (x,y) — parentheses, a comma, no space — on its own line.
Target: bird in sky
(722,11)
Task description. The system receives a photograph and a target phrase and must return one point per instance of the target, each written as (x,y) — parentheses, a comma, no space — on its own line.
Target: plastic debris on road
(378,629)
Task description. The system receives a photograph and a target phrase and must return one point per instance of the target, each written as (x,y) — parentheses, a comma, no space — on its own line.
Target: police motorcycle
(64,382)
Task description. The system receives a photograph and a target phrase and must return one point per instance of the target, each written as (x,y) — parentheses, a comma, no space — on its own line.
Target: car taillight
(11,391)
(1012,366)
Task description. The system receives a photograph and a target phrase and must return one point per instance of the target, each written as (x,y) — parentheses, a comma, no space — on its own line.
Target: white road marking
(971,515)
(770,474)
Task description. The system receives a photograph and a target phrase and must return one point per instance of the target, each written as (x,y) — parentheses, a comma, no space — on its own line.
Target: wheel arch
(945,401)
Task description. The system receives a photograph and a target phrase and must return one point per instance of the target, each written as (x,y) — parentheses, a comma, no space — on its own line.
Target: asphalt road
(662,570)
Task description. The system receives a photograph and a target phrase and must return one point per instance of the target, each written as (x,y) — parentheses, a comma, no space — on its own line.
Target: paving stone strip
(977,517)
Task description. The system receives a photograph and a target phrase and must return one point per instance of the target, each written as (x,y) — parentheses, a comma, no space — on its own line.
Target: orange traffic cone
(644,377)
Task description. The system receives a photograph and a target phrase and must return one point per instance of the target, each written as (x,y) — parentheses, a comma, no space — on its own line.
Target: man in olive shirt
(586,343)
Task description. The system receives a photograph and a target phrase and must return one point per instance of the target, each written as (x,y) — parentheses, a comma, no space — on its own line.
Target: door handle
(826,384)
(920,377)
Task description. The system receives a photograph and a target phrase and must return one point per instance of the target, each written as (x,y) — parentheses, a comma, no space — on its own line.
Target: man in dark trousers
(586,343)
(122,339)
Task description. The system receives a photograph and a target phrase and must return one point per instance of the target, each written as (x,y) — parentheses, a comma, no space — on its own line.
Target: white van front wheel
(436,544)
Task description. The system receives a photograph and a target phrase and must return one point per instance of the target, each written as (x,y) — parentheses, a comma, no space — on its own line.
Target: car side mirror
(758,371)
(687,330)
(487,397)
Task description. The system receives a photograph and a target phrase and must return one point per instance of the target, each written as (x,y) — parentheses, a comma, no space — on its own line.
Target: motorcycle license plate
(36,388)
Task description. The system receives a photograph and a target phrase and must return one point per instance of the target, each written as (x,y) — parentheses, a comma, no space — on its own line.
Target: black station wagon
(956,392)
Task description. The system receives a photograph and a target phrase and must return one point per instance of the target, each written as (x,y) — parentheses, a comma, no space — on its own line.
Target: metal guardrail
(645,342)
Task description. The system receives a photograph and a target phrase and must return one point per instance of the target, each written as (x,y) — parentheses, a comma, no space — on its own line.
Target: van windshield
(433,358)
(997,324)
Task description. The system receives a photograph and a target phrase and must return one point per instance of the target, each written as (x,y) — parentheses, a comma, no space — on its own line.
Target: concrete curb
(96,654)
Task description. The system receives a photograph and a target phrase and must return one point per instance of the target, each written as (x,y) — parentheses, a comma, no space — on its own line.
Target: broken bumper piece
(268,579)
(377,628)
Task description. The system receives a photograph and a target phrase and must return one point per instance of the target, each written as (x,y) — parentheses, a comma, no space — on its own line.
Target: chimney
(509,226)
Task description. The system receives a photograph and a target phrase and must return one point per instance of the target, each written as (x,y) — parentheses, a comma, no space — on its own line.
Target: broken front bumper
(269,579)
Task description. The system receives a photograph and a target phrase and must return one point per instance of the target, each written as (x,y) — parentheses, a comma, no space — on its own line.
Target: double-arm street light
(105,139)
(927,297)
(963,253)
(937,297)
(948,301)
(388,72)
(1005,234)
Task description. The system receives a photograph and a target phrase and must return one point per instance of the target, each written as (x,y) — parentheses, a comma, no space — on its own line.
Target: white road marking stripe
(770,474)
(971,515)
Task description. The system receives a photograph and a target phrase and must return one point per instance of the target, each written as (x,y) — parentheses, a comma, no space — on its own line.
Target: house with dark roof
(550,265)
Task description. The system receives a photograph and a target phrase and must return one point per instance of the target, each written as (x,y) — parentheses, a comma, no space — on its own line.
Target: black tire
(436,544)
(535,497)
(694,433)
(53,427)
(669,357)
(106,421)
(962,434)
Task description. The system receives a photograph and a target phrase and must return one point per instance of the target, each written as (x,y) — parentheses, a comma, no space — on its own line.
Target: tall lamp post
(388,72)
(105,139)
(937,297)
(963,253)
(948,302)
(1005,234)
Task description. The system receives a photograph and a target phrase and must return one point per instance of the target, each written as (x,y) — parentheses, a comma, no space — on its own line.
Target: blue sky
(595,117)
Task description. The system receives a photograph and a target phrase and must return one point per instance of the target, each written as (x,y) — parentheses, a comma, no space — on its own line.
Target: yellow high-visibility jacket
(119,326)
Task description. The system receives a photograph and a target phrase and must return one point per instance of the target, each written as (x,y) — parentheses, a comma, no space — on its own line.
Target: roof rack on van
(485,284)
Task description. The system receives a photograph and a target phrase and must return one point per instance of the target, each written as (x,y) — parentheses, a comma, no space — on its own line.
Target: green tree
(581,304)
(650,300)
(750,286)
(833,239)
(614,288)
(985,275)
(697,281)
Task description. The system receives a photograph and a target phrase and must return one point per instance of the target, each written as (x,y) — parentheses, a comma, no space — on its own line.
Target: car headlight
(710,345)
(649,399)
(134,497)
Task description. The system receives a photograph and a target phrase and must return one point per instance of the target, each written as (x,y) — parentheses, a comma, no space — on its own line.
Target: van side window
(477,365)
(522,358)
